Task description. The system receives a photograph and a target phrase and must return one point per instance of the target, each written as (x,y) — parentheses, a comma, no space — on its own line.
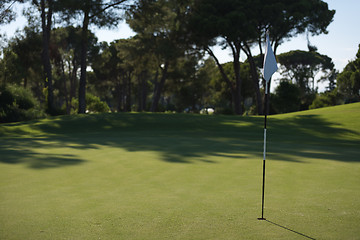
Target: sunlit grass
(169,176)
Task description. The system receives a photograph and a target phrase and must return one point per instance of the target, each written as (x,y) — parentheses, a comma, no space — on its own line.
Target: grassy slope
(158,176)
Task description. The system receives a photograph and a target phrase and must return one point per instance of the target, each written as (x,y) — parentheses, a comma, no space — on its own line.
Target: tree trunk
(73,78)
(238,83)
(46,28)
(158,89)
(255,80)
(224,76)
(128,92)
(118,96)
(25,81)
(82,84)
(142,91)
(66,94)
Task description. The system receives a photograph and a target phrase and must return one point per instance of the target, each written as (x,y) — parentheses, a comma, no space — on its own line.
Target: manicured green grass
(176,176)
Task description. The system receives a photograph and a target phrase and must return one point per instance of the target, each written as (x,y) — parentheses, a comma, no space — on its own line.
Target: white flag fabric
(270,65)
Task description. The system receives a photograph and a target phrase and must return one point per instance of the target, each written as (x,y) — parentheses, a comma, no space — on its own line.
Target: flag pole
(269,68)
(264,153)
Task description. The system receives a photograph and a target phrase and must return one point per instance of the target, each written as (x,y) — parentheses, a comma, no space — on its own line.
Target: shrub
(18,104)
(95,105)
(326,99)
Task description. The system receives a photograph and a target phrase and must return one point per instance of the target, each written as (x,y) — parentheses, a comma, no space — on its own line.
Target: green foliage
(72,106)
(286,98)
(65,56)
(18,104)
(131,71)
(216,18)
(21,63)
(116,68)
(219,91)
(95,105)
(7,14)
(301,67)
(160,28)
(212,22)
(348,81)
(190,83)
(326,99)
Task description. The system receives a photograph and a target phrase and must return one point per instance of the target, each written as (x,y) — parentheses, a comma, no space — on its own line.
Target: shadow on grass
(310,136)
(25,151)
(179,138)
(291,230)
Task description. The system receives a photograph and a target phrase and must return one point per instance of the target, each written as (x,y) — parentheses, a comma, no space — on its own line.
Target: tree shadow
(179,138)
(310,136)
(16,151)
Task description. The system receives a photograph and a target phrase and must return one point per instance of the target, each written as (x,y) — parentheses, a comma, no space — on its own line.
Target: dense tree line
(169,65)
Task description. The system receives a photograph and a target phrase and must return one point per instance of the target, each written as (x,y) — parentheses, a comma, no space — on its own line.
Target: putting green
(178,176)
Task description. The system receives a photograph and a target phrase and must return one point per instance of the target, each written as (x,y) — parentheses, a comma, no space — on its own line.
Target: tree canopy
(348,81)
(170,64)
(100,13)
(301,67)
(7,15)
(213,21)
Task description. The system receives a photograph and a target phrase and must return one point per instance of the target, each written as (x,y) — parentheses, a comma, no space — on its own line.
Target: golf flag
(269,68)
(270,65)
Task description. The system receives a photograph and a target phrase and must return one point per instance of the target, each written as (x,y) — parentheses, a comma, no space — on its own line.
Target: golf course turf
(181,176)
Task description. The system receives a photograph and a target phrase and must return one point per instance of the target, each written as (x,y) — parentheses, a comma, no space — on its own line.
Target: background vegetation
(169,64)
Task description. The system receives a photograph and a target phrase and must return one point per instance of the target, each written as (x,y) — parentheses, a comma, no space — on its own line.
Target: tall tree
(65,56)
(215,19)
(160,28)
(222,100)
(26,61)
(189,84)
(348,81)
(114,72)
(103,13)
(302,67)
(212,22)
(46,10)
(285,19)
(123,72)
(46,7)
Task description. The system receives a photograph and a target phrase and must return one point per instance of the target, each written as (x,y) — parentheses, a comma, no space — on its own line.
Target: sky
(340,44)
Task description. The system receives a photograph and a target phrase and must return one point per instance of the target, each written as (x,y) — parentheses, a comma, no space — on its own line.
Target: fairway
(181,176)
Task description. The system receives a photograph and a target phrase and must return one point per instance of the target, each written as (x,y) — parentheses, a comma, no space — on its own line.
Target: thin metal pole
(264,158)
(263,193)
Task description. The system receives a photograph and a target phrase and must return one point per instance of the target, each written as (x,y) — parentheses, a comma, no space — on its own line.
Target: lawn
(180,176)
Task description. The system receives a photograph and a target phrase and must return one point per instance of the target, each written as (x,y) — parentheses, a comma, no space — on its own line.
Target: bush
(18,104)
(95,105)
(326,99)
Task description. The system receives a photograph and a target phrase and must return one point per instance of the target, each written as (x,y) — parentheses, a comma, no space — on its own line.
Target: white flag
(270,65)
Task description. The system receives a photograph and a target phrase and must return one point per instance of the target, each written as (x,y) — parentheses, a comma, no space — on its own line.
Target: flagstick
(265,119)
(269,68)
